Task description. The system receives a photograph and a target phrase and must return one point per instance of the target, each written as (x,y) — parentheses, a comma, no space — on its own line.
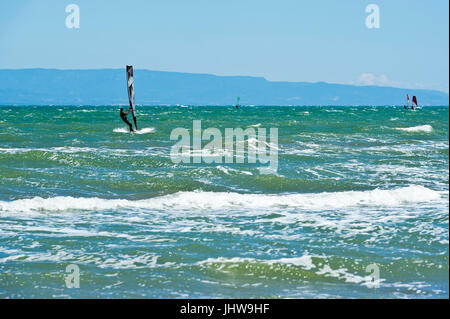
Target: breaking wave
(199,200)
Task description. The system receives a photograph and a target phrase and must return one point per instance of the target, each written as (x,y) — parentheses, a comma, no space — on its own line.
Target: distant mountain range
(108,87)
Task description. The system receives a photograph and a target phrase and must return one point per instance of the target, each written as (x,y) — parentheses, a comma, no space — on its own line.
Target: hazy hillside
(108,86)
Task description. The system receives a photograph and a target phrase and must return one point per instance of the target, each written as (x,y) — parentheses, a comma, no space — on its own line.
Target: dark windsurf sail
(130,85)
(414,101)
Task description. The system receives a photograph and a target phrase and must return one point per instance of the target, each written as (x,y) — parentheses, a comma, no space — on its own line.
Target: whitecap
(421,128)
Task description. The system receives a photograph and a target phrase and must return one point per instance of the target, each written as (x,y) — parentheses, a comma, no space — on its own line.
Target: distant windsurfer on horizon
(414,103)
(123,116)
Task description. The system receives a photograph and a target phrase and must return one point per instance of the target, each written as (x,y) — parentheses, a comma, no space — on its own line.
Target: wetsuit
(123,116)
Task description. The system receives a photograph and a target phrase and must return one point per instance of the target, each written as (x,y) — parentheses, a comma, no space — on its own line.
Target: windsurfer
(123,116)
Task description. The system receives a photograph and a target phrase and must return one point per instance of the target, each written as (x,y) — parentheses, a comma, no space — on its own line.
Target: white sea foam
(421,128)
(121,261)
(304,261)
(260,144)
(104,151)
(145,130)
(219,201)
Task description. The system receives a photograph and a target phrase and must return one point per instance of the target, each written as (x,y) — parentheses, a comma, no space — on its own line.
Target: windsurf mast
(130,87)
(407,100)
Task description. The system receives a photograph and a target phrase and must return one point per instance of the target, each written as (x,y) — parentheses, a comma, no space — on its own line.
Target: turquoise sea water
(356,188)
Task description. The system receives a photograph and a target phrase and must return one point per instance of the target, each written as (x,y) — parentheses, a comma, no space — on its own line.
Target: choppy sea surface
(359,192)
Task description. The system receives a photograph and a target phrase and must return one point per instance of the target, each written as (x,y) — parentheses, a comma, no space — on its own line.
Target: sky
(282,40)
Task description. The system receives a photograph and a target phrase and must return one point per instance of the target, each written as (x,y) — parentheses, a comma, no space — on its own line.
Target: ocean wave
(305,262)
(59,149)
(421,128)
(199,200)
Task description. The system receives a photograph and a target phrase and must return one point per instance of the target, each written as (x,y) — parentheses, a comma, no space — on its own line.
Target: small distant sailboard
(237,103)
(130,87)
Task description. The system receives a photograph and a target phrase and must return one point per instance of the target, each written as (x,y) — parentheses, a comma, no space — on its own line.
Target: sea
(357,205)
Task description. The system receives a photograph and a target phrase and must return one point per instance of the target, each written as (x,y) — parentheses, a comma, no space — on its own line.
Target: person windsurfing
(123,116)
(407,102)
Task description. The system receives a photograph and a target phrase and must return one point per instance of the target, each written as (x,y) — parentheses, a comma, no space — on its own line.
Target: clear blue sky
(323,40)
